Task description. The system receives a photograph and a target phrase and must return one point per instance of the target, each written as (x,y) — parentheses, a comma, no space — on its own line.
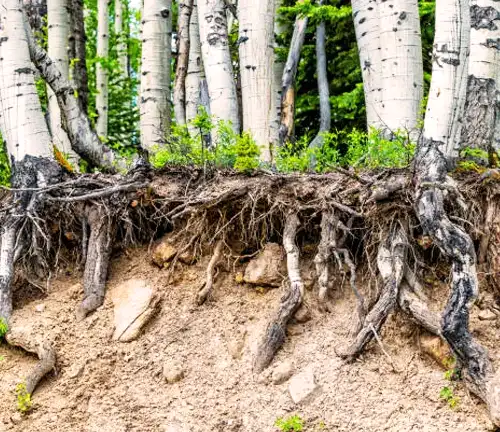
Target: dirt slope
(102,385)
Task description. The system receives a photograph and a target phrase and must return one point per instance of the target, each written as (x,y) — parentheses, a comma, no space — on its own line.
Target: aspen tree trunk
(288,81)
(401,71)
(25,133)
(256,34)
(195,77)
(185,11)
(58,39)
(77,54)
(278,69)
(325,112)
(481,127)
(217,62)
(367,29)
(155,73)
(439,141)
(122,37)
(101,71)
(443,117)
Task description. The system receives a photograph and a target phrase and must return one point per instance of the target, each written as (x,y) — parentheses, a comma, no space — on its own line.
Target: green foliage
(4,328)
(290,424)
(230,150)
(4,165)
(24,403)
(449,397)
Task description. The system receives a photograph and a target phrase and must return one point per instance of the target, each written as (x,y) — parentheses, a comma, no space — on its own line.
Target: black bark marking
(492,43)
(483,17)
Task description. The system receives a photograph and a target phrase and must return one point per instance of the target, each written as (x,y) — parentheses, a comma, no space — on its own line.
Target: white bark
(278,69)
(217,62)
(101,72)
(24,128)
(449,76)
(58,34)
(256,26)
(155,73)
(121,35)
(367,28)
(401,70)
(481,128)
(195,72)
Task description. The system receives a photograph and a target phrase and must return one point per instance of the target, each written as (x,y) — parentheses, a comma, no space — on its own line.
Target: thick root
(391,264)
(7,254)
(102,230)
(44,351)
(322,258)
(207,287)
(274,336)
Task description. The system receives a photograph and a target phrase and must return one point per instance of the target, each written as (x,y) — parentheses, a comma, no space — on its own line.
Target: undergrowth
(290,424)
(216,144)
(447,392)
(24,403)
(4,328)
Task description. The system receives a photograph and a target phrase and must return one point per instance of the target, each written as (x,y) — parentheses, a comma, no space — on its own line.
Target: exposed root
(7,253)
(102,230)
(44,351)
(391,264)
(274,336)
(457,245)
(322,258)
(207,286)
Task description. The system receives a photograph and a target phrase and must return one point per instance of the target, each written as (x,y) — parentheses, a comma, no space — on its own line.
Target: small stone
(163,252)
(76,369)
(303,314)
(267,268)
(235,348)
(172,372)
(187,258)
(16,418)
(302,386)
(437,349)
(40,308)
(487,315)
(282,372)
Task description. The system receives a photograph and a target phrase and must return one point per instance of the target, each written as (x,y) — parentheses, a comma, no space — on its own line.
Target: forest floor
(102,385)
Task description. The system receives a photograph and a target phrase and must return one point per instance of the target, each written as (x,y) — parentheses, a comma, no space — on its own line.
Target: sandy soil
(102,385)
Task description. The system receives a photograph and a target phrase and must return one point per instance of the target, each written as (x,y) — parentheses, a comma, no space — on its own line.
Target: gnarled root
(207,286)
(391,264)
(44,351)
(102,231)
(274,336)
(322,258)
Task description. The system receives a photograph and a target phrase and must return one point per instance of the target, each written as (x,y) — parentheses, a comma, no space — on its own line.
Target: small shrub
(4,328)
(24,403)
(449,397)
(290,424)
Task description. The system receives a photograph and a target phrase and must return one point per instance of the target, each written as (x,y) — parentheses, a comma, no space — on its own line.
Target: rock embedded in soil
(134,303)
(282,372)
(437,349)
(163,252)
(302,386)
(268,267)
(303,314)
(487,315)
(172,372)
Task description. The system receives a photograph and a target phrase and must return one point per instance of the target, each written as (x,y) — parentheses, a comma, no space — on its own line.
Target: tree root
(7,253)
(102,230)
(274,336)
(44,351)
(391,264)
(207,286)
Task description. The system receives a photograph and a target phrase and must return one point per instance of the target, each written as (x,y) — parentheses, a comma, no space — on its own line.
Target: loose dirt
(101,385)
